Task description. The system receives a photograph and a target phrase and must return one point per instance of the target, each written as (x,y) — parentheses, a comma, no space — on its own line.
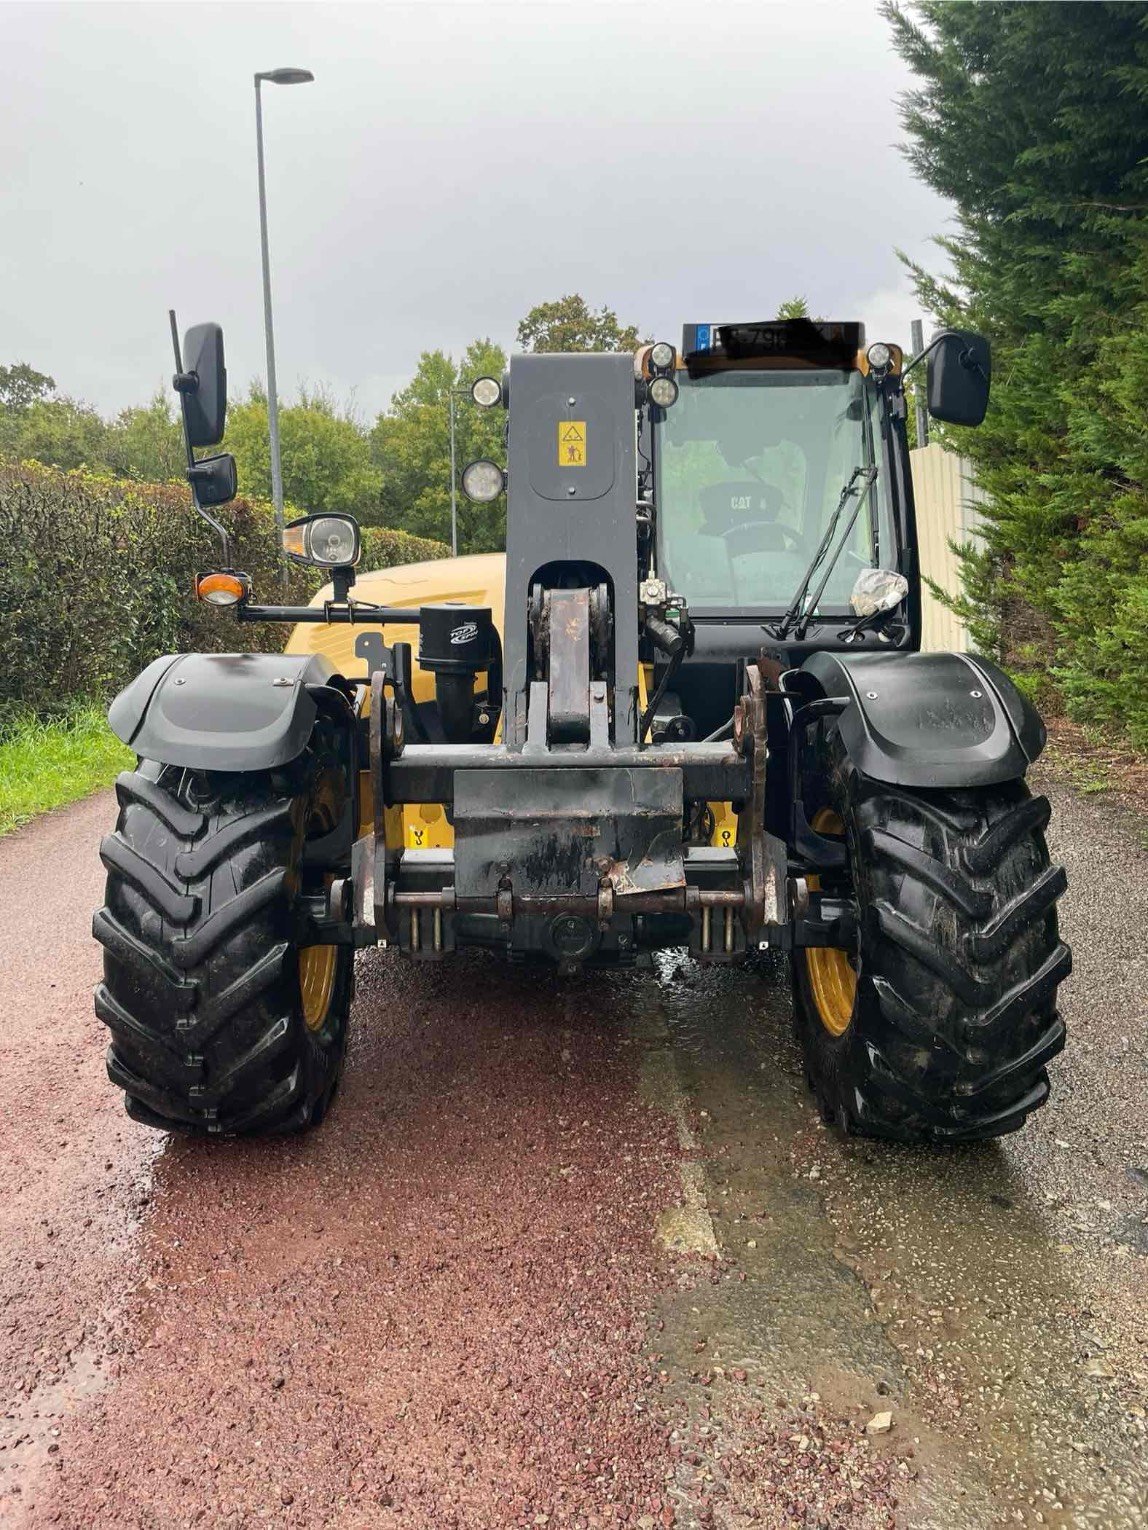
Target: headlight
(483,481)
(662,356)
(879,357)
(663,391)
(486,392)
(331,541)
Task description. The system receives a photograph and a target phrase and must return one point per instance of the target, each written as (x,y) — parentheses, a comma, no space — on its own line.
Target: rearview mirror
(203,393)
(214,479)
(958,371)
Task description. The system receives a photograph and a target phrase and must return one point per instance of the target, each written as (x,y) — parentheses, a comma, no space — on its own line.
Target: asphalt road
(569,1254)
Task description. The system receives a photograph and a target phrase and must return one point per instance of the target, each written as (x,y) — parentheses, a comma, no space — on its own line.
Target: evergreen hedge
(97,574)
(1032,120)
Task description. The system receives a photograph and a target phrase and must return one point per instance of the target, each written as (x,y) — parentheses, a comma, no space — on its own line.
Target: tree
(147,443)
(1031,120)
(58,431)
(21,386)
(326,455)
(410,444)
(793,308)
(568,324)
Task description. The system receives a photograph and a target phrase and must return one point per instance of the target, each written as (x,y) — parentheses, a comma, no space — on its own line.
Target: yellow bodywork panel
(477,580)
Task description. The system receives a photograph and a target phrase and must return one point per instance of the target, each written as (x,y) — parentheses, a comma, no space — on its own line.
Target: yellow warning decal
(725,825)
(426,827)
(571,443)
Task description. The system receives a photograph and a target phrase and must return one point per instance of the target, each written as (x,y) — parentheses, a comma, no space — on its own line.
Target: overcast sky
(451,166)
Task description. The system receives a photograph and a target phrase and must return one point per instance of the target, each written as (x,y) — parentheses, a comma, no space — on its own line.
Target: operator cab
(782,435)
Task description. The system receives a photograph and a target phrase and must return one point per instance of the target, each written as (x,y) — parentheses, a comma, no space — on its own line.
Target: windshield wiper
(796,620)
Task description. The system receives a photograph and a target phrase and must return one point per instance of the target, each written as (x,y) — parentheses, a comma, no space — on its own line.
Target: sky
(452,165)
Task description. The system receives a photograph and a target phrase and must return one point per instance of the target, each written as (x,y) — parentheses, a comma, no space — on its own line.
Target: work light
(483,481)
(662,356)
(330,541)
(663,391)
(880,357)
(486,392)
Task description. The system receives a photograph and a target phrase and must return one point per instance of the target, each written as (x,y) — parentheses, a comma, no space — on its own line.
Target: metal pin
(729,929)
(438,929)
(415,932)
(705,927)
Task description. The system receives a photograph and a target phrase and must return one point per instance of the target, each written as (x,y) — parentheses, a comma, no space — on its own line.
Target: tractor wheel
(937,1025)
(221,1021)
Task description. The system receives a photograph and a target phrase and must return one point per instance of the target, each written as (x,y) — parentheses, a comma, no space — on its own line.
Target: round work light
(663,391)
(662,356)
(486,392)
(483,481)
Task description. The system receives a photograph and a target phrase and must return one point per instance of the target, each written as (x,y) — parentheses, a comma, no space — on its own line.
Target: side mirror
(214,479)
(202,385)
(958,371)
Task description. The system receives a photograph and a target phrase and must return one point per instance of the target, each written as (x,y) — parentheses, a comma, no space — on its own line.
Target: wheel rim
(317,966)
(832,980)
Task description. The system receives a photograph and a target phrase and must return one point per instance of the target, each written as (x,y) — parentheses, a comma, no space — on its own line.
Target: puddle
(30,1429)
(856,1277)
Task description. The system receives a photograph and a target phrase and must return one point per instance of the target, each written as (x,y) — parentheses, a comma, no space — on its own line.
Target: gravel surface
(569,1253)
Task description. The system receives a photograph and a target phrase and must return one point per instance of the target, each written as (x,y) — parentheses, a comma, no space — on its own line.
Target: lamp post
(917,333)
(454,393)
(275,77)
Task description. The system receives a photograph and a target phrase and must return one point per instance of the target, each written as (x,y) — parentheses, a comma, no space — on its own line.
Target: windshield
(750,468)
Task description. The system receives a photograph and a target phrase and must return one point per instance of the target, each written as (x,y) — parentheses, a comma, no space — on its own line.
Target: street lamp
(454,393)
(276,77)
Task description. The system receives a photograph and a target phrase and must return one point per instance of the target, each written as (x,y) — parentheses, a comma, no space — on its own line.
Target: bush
(387,549)
(98,580)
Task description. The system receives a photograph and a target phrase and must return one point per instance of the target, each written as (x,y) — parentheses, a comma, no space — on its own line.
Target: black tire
(202,979)
(958,961)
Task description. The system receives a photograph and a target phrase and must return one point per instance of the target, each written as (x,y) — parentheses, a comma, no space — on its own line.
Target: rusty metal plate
(566,831)
(569,668)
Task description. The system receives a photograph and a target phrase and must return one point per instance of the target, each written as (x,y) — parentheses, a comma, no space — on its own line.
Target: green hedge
(383,548)
(97,575)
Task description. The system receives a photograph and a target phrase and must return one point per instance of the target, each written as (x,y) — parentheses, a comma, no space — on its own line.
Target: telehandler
(688,709)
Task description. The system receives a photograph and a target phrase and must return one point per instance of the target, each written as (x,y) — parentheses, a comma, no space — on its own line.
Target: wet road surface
(570,1253)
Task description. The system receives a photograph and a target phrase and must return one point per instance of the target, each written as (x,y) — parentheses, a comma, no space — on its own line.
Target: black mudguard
(930,719)
(221,711)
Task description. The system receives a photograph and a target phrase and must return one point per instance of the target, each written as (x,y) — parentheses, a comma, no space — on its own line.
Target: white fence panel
(946,498)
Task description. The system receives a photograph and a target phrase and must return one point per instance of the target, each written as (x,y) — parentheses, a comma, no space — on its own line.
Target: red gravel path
(72,1168)
(429,1313)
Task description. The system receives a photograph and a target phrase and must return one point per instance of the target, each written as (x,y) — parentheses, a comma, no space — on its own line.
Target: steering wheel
(746,511)
(754,530)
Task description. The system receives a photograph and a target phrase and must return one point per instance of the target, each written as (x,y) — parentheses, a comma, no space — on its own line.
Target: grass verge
(45,764)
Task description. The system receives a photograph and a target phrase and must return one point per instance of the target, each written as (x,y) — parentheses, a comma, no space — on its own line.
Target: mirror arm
(966,355)
(183,383)
(932,345)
